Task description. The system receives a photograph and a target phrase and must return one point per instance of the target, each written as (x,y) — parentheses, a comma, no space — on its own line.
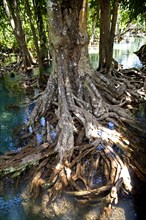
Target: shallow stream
(13,113)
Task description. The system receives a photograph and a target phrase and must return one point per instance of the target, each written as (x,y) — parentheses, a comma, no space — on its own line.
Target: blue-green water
(12,114)
(11,208)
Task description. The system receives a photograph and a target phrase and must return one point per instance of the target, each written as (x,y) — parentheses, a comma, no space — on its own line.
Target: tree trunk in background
(13,13)
(35,38)
(104,7)
(112,30)
(39,11)
(107,33)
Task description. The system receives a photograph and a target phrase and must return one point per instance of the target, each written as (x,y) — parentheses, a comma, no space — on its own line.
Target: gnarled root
(79,154)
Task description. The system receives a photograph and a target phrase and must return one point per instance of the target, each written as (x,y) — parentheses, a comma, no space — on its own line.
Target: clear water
(123,53)
(11,208)
(11,117)
(12,114)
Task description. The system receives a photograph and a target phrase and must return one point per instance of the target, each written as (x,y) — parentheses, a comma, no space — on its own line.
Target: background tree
(131,17)
(40,14)
(108,16)
(13,13)
(6,35)
(33,33)
(35,38)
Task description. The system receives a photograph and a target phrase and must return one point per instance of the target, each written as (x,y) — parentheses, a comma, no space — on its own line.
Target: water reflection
(123,53)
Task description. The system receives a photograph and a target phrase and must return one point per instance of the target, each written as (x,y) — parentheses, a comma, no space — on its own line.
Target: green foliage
(127,20)
(135,7)
(7,39)
(130,11)
(93,18)
(13,85)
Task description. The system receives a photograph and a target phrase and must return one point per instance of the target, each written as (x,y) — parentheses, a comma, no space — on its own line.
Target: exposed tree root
(79,153)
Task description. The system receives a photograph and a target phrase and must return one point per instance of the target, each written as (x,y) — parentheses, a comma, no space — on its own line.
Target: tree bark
(69,49)
(35,38)
(68,39)
(107,33)
(41,11)
(112,30)
(104,7)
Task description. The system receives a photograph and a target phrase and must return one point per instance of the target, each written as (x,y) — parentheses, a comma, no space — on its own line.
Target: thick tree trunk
(78,94)
(69,49)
